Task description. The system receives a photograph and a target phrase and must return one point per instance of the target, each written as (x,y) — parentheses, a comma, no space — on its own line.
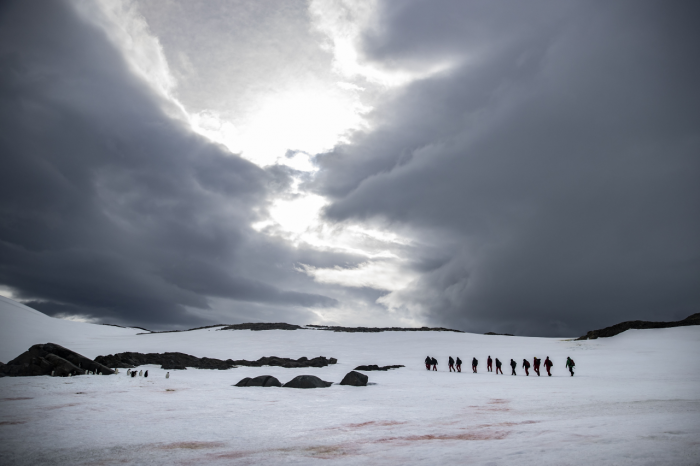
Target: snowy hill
(635,399)
(22,327)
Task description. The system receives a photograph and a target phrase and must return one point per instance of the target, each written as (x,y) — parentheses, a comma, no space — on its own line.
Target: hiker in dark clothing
(489,366)
(548,365)
(570,365)
(536,365)
(435,363)
(459,364)
(513,365)
(498,367)
(475,363)
(451,363)
(526,365)
(427,362)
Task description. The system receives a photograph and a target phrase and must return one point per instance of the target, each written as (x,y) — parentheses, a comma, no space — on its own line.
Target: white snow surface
(635,399)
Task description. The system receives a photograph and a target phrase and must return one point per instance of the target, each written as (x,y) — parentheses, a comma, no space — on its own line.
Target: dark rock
(260,381)
(374,367)
(181,361)
(503,334)
(258,326)
(638,325)
(355,378)
(381,329)
(307,381)
(51,358)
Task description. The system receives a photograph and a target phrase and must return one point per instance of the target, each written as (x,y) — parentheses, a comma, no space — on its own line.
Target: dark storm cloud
(111,208)
(556,169)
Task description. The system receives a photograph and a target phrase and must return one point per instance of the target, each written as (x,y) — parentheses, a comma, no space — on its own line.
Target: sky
(512,167)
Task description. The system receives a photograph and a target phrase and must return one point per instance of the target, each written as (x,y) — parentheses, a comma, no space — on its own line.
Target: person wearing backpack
(526,365)
(498,366)
(475,363)
(536,365)
(513,365)
(548,365)
(570,365)
(489,365)
(459,364)
(451,363)
(427,362)
(435,363)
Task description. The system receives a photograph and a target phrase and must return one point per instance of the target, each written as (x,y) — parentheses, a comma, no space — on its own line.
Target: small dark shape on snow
(260,381)
(503,334)
(355,378)
(51,358)
(382,329)
(374,367)
(257,326)
(638,325)
(307,381)
(174,361)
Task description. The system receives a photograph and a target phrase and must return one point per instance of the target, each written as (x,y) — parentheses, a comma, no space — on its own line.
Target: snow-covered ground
(635,399)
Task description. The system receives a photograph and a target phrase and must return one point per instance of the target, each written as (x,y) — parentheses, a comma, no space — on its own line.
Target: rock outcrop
(173,361)
(258,326)
(381,329)
(374,367)
(638,325)
(52,359)
(307,381)
(260,381)
(355,378)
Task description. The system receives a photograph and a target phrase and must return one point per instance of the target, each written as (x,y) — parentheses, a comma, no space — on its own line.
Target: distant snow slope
(22,327)
(635,399)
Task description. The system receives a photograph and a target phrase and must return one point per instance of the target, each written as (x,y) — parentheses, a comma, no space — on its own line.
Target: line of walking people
(456,365)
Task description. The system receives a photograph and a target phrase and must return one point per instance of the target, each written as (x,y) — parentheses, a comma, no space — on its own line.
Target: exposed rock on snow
(172,361)
(374,367)
(307,381)
(382,329)
(257,326)
(52,359)
(502,334)
(638,325)
(260,381)
(355,378)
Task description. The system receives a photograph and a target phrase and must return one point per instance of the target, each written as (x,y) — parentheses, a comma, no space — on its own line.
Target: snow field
(634,400)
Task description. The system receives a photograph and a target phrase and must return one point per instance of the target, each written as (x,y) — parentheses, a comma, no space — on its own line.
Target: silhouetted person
(435,363)
(570,365)
(475,363)
(489,364)
(513,365)
(536,365)
(498,367)
(427,362)
(459,364)
(548,365)
(526,365)
(451,363)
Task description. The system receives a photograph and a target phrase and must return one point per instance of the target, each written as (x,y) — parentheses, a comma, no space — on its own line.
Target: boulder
(307,381)
(355,378)
(260,381)
(48,359)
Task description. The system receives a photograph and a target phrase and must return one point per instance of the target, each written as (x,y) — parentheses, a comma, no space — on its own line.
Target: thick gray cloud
(557,164)
(113,209)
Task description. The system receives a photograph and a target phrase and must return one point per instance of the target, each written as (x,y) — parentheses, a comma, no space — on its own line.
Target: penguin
(145,374)
(167,375)
(133,374)
(140,373)
(70,374)
(99,373)
(53,373)
(116,370)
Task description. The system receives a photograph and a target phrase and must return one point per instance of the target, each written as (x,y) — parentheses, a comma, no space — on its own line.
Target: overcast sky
(521,167)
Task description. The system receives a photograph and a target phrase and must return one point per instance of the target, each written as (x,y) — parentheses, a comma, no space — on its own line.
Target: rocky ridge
(638,325)
(182,361)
